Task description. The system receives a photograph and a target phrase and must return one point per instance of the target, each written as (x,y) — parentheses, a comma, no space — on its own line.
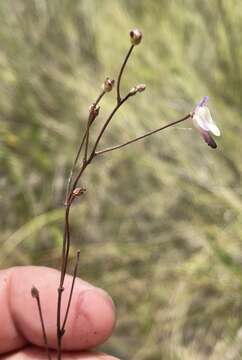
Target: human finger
(91,318)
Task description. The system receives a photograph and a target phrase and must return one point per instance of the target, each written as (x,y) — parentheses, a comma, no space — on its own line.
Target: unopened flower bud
(137,88)
(141,87)
(34,292)
(94,112)
(78,191)
(108,84)
(91,108)
(135,36)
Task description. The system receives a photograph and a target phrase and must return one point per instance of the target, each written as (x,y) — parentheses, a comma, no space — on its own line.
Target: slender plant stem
(99,99)
(142,136)
(84,165)
(106,124)
(88,161)
(65,253)
(121,73)
(36,296)
(71,291)
(66,239)
(89,123)
(74,166)
(73,190)
(86,134)
(87,141)
(66,243)
(60,333)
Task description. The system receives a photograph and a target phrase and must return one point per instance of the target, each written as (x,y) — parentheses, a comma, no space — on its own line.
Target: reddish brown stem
(71,291)
(85,136)
(107,123)
(121,73)
(142,136)
(35,294)
(73,190)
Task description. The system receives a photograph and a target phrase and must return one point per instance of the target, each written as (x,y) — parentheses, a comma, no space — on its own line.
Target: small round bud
(91,108)
(141,87)
(78,191)
(34,292)
(135,36)
(96,111)
(137,88)
(108,84)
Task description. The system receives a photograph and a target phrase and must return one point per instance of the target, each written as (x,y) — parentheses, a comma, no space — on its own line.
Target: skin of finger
(37,354)
(10,338)
(91,318)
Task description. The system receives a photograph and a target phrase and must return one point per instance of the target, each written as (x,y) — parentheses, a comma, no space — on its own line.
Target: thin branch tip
(35,295)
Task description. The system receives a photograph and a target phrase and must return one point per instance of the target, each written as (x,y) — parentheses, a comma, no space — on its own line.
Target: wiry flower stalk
(35,295)
(87,152)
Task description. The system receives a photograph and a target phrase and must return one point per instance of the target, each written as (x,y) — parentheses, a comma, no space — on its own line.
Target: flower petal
(203,120)
(210,124)
(214,129)
(208,139)
(199,122)
(203,102)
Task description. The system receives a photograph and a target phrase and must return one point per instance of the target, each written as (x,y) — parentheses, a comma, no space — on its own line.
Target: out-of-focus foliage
(160,227)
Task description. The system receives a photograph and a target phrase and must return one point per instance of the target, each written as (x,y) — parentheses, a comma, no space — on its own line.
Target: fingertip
(91,318)
(95,309)
(10,337)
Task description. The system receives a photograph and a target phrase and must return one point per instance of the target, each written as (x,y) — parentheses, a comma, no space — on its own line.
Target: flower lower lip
(208,139)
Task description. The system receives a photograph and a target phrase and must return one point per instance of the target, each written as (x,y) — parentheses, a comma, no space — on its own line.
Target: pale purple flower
(204,123)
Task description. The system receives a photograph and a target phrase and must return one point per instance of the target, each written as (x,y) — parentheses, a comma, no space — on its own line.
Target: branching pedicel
(202,121)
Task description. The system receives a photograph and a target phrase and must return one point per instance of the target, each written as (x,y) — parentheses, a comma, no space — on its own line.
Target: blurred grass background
(160,227)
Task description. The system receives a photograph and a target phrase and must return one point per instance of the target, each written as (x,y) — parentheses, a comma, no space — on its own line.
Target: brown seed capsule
(135,36)
(34,292)
(108,84)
